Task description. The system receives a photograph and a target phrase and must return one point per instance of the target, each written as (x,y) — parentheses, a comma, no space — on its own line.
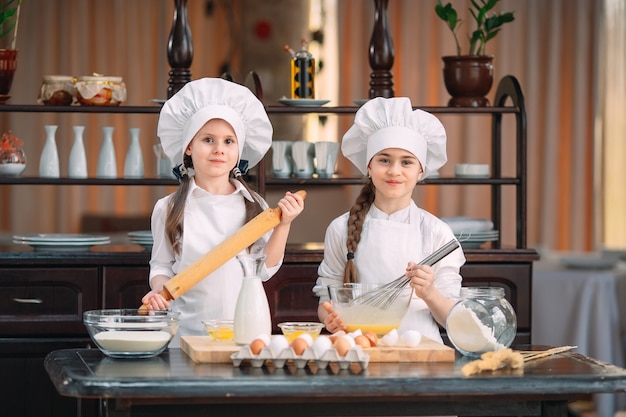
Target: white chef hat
(384,123)
(214,98)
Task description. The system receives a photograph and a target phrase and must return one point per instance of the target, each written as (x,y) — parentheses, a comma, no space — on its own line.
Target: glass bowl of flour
(129,333)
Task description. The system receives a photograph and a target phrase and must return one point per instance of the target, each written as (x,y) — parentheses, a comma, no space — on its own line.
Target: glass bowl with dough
(130,333)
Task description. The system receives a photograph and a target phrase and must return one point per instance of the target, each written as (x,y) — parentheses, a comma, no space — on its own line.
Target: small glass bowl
(219,330)
(129,333)
(293,329)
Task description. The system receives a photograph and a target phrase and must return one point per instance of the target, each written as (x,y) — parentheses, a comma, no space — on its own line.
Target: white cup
(303,154)
(281,158)
(326,158)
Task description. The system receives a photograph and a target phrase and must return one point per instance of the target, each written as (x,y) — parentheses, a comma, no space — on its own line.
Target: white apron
(216,295)
(388,246)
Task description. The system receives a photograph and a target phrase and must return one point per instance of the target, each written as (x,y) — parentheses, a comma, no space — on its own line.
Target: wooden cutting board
(427,351)
(201,349)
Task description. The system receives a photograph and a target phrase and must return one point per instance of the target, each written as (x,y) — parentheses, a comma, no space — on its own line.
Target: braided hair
(356,219)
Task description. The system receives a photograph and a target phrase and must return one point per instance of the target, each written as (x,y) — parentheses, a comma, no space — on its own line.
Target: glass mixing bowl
(128,333)
(370,307)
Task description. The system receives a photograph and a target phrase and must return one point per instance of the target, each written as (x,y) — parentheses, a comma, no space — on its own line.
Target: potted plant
(9,18)
(468,78)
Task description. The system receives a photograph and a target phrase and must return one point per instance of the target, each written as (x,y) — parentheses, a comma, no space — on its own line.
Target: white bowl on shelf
(471,170)
(11,170)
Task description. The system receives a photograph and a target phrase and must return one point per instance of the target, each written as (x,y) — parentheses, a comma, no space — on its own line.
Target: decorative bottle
(252,310)
(303,74)
(481,321)
(77,167)
(133,165)
(49,160)
(107,165)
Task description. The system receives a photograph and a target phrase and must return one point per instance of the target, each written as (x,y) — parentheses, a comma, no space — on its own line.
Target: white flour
(132,341)
(468,333)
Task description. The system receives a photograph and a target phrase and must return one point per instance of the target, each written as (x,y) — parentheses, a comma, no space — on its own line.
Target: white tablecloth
(582,307)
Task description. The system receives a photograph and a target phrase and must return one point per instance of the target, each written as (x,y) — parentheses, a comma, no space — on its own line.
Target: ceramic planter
(468,79)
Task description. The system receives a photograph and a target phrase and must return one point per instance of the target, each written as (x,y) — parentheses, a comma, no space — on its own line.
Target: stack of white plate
(472,233)
(61,242)
(142,238)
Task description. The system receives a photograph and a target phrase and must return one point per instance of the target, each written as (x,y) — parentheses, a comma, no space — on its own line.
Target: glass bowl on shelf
(12,156)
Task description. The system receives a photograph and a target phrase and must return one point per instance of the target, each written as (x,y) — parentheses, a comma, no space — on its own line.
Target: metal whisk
(384,299)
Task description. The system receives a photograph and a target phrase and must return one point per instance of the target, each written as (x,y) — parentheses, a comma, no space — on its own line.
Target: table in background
(582,307)
(172,384)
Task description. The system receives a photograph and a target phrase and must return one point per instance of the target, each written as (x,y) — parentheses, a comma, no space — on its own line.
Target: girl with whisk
(385,232)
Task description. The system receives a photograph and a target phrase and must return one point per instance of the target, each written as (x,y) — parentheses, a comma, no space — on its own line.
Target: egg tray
(308,358)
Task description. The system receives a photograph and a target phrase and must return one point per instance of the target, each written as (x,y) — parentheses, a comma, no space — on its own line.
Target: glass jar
(481,321)
(57,90)
(100,90)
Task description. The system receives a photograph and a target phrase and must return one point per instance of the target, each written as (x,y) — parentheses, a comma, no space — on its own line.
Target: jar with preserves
(100,90)
(481,321)
(58,90)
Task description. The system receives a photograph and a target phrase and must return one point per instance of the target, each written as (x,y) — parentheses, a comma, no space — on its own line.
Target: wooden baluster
(179,49)
(381,54)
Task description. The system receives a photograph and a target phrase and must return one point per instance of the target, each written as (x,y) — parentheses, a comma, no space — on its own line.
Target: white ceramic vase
(133,165)
(107,165)
(77,166)
(49,160)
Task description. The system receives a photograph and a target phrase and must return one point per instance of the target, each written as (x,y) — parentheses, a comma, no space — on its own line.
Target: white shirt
(388,243)
(208,220)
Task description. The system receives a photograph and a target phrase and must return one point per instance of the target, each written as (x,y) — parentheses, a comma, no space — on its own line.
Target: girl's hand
(155,301)
(422,277)
(291,205)
(332,322)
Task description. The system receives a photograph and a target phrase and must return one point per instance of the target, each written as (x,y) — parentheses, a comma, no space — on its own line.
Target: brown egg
(256,346)
(342,345)
(337,335)
(363,341)
(299,345)
(373,338)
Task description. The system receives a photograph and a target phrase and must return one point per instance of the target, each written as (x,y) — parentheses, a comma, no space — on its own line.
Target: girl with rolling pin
(212,130)
(385,232)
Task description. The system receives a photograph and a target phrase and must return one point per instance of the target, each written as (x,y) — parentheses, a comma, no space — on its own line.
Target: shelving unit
(58,287)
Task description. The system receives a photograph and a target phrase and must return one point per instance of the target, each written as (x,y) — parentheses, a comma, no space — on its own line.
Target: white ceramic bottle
(133,165)
(49,160)
(252,310)
(107,164)
(77,166)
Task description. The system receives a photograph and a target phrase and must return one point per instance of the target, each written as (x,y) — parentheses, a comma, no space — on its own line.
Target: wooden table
(172,384)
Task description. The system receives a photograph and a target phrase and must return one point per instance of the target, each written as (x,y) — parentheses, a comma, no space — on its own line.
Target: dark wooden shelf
(86,181)
(271,109)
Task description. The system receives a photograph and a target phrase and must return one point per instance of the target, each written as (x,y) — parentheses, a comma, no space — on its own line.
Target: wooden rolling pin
(222,253)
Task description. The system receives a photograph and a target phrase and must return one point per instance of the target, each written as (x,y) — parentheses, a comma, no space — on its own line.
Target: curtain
(551,48)
(611,125)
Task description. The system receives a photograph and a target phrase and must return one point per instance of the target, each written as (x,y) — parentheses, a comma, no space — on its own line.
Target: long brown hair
(176,208)
(356,219)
